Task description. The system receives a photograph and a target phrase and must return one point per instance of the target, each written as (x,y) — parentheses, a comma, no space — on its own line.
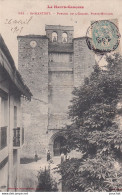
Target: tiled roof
(33,36)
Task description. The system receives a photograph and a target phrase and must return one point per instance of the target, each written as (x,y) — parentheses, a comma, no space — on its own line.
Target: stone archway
(56,144)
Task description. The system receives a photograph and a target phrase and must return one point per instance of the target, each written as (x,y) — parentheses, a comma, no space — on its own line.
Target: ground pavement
(28,174)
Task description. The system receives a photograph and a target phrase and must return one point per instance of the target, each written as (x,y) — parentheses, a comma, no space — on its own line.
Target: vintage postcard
(60,96)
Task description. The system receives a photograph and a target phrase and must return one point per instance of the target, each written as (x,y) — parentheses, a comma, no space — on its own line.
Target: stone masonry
(51,66)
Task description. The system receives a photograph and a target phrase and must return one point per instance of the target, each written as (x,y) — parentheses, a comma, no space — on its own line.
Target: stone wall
(84,61)
(33,65)
(51,77)
(60,94)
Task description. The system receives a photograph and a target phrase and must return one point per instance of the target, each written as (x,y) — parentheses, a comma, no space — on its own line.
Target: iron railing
(18,137)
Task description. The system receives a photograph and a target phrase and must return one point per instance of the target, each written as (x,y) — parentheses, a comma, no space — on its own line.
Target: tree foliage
(95,132)
(46,183)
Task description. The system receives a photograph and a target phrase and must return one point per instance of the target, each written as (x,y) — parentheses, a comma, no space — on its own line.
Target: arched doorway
(59,145)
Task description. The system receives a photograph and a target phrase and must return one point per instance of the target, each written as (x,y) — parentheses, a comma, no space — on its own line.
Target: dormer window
(64,37)
(54,37)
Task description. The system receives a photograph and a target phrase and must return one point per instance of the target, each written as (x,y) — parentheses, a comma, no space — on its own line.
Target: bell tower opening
(54,37)
(64,38)
(59,34)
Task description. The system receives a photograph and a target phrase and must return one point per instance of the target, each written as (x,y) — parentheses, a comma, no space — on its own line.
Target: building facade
(12,88)
(51,65)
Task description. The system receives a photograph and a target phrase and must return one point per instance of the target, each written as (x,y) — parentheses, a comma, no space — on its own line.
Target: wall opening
(54,37)
(59,146)
(64,37)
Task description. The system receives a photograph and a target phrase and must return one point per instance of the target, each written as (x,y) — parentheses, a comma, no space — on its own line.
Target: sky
(13,22)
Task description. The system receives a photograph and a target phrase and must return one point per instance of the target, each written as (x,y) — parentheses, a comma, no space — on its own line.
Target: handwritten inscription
(17,25)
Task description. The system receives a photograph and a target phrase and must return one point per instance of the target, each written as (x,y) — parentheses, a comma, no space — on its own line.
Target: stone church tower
(51,65)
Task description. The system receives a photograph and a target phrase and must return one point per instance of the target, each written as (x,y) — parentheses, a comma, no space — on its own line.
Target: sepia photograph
(60,96)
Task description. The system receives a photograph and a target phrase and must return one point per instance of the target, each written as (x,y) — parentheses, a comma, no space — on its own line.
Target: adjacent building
(12,88)
(51,65)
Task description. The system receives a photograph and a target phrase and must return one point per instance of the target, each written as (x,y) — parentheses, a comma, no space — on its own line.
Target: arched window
(64,37)
(54,37)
